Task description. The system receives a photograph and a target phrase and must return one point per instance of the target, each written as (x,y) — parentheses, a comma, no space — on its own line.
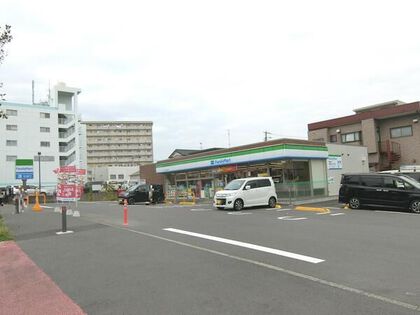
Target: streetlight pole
(39,171)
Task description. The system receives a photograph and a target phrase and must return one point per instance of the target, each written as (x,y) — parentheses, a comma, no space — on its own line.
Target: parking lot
(312,259)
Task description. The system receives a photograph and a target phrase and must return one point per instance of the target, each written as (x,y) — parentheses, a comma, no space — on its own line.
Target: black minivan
(377,189)
(142,193)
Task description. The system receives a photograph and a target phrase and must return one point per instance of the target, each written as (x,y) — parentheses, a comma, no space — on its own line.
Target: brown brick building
(390,131)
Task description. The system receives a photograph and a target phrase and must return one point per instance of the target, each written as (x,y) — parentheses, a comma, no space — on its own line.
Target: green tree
(5,37)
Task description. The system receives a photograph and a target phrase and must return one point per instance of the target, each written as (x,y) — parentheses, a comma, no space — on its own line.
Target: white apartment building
(52,129)
(117,144)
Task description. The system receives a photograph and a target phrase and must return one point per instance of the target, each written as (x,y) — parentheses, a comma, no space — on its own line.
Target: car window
(252,183)
(350,180)
(264,183)
(393,183)
(143,188)
(371,181)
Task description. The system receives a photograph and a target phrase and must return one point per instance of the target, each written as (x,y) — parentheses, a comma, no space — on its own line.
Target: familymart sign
(275,152)
(24,169)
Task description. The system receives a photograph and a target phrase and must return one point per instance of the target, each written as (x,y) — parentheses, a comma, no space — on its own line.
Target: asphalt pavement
(174,259)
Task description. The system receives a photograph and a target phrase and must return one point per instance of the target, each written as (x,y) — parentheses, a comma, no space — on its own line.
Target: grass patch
(4,231)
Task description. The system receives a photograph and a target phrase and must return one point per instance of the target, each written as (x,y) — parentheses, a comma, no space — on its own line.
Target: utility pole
(266,133)
(228,132)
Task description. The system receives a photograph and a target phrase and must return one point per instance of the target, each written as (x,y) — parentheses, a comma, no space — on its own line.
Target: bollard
(37,206)
(64,219)
(17,205)
(125,212)
(64,222)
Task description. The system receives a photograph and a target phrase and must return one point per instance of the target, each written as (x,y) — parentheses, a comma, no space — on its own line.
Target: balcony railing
(391,151)
(66,148)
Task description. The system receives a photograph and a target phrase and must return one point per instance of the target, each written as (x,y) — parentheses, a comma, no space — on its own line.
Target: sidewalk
(26,289)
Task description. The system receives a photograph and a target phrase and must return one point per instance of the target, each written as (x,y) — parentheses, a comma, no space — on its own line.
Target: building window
(11,112)
(112,176)
(45,144)
(44,158)
(120,176)
(350,137)
(399,132)
(11,127)
(44,115)
(44,129)
(333,138)
(11,143)
(11,158)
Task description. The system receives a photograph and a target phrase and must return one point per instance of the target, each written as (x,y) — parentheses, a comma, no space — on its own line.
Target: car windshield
(133,188)
(411,181)
(235,184)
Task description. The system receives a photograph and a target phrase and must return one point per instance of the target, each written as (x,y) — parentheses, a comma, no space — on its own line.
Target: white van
(247,192)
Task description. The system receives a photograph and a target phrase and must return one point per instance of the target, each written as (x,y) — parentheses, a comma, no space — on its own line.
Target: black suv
(142,193)
(387,190)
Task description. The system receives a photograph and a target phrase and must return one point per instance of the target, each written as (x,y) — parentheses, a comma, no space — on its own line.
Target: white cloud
(199,68)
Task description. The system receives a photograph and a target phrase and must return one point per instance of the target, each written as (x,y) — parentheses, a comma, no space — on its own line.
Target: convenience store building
(298,168)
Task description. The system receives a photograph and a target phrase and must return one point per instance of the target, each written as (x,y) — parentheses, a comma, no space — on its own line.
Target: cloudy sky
(200,68)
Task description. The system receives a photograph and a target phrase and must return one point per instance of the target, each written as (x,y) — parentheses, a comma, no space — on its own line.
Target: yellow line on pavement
(314,209)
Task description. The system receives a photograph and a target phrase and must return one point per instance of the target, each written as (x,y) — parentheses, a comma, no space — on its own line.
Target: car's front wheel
(415,206)
(354,203)
(238,205)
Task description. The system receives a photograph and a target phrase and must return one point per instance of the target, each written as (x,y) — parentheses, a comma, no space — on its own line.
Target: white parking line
(334,214)
(239,213)
(250,246)
(201,210)
(279,210)
(290,218)
(395,212)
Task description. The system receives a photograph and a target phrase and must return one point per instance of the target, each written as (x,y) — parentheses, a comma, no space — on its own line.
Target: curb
(314,209)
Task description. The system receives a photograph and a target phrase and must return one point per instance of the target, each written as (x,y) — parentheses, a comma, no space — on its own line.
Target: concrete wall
(148,173)
(354,160)
(29,137)
(410,146)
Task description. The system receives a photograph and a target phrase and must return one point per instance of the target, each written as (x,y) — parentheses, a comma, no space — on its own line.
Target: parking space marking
(283,210)
(395,212)
(277,268)
(291,218)
(204,209)
(239,213)
(269,250)
(334,214)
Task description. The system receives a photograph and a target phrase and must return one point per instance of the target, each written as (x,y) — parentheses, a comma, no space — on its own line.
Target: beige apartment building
(390,131)
(119,143)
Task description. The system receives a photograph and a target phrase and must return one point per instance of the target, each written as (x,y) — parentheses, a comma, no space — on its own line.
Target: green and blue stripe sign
(276,152)
(24,169)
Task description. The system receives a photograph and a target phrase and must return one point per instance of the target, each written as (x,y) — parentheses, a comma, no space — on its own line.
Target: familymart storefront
(297,167)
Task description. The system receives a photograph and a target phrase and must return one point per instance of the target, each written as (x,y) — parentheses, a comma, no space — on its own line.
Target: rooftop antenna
(266,133)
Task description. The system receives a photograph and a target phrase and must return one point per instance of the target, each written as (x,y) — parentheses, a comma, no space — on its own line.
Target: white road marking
(201,209)
(290,218)
(321,213)
(276,268)
(47,207)
(335,208)
(333,214)
(279,210)
(395,212)
(239,213)
(250,246)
